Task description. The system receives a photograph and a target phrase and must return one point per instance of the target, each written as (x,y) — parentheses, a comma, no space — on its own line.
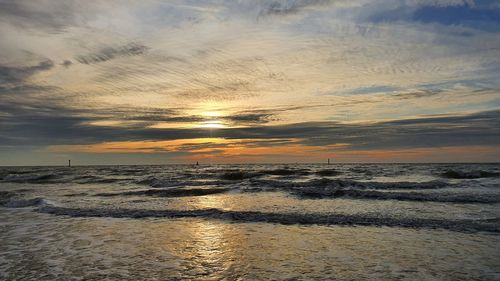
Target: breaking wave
(455,174)
(12,200)
(178,192)
(339,183)
(328,173)
(286,172)
(401,196)
(235,175)
(311,192)
(22,203)
(239,175)
(159,182)
(175,183)
(28,178)
(86,179)
(491,225)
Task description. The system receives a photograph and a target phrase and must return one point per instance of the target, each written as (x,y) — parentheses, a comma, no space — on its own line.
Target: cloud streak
(285,7)
(15,75)
(109,53)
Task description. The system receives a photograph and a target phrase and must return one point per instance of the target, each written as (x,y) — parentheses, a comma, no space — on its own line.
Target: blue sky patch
(373,90)
(486,19)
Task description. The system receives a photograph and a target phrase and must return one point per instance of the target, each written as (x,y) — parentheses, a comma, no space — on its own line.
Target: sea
(251,222)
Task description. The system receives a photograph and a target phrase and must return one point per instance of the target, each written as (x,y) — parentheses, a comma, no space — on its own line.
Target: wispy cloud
(17,74)
(108,53)
(284,7)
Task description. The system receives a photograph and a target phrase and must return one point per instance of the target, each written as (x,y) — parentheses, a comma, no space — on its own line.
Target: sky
(249,81)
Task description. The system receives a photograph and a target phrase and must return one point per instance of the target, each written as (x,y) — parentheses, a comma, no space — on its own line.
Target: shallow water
(251,222)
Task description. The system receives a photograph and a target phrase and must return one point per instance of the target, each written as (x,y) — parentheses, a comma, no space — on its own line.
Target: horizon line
(263,163)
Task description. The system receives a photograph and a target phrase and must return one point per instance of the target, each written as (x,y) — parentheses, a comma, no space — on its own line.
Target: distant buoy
(69,163)
(197,164)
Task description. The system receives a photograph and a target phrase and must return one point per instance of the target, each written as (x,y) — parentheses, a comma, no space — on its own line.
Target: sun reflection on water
(214,245)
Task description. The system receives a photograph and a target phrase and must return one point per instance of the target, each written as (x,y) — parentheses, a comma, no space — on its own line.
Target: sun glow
(212,124)
(212,114)
(212,121)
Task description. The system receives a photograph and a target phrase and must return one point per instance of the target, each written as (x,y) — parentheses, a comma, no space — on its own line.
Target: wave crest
(12,200)
(340,183)
(28,178)
(456,174)
(177,192)
(491,225)
(401,196)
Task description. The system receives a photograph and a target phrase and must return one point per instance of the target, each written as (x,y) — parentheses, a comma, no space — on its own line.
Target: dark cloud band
(109,53)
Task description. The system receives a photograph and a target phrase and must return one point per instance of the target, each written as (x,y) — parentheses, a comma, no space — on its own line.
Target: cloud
(473,129)
(15,74)
(46,15)
(45,126)
(108,53)
(251,117)
(417,94)
(285,7)
(66,63)
(373,90)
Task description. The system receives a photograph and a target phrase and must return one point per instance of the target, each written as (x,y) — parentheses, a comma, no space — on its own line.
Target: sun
(212,124)
(212,120)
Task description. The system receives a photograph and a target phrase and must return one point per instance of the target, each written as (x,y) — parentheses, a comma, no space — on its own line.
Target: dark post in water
(69,163)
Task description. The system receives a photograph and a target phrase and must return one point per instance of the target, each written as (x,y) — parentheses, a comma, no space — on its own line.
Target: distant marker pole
(328,161)
(69,163)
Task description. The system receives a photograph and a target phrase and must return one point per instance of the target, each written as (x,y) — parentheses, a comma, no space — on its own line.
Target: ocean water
(251,222)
